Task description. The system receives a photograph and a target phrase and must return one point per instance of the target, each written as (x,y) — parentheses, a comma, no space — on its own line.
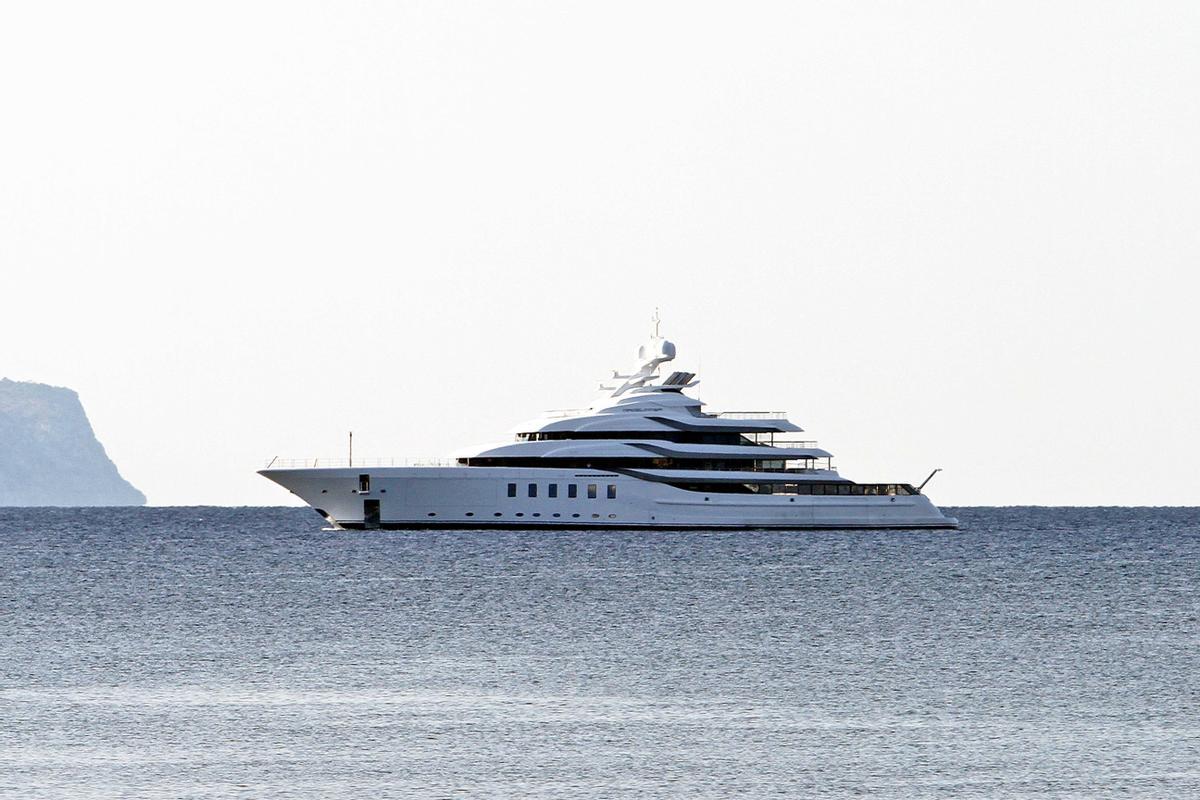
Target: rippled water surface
(209,652)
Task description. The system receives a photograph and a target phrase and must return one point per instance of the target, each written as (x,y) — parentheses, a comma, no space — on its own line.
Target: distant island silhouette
(49,455)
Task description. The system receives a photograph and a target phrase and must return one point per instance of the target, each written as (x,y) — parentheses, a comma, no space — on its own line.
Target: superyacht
(643,455)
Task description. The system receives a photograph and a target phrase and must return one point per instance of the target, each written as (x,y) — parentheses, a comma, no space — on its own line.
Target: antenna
(657,321)
(352,448)
(927,480)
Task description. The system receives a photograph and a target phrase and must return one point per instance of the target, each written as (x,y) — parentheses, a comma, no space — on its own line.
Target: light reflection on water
(243,652)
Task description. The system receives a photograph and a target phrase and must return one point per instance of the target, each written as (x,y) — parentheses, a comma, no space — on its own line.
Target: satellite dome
(656,349)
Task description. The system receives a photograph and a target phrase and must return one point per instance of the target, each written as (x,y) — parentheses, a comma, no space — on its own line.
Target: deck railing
(559,413)
(753,415)
(805,444)
(347,463)
(824,465)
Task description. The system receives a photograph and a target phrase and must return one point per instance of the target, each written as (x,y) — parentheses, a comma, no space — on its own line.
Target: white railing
(764,439)
(798,466)
(753,415)
(559,413)
(347,463)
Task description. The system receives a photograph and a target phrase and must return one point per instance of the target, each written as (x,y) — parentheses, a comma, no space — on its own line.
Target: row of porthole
(521,514)
(572,490)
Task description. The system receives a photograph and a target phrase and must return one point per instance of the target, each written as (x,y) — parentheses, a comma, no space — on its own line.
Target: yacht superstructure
(643,455)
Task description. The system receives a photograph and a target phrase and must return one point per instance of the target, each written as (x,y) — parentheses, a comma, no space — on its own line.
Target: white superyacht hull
(479,497)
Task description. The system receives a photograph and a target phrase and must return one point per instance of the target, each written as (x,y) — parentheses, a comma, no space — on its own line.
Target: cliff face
(49,455)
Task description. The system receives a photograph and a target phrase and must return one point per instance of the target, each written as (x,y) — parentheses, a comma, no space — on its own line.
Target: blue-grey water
(207,652)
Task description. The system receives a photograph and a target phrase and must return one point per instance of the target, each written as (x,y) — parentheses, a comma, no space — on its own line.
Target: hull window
(552,490)
(572,490)
(364,483)
(806,488)
(512,490)
(592,491)
(533,490)
(612,491)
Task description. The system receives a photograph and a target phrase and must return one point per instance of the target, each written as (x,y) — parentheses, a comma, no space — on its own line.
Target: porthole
(520,514)
(706,499)
(556,514)
(470,513)
(431,514)
(383,491)
(612,516)
(791,499)
(574,515)
(324,491)
(595,516)
(535,514)
(497,514)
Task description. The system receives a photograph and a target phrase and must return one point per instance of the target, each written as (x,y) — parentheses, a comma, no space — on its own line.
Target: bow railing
(348,463)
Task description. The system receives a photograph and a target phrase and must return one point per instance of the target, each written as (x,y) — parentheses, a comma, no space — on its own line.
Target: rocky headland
(49,455)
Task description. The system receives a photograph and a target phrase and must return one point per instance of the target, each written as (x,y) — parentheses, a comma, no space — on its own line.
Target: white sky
(940,234)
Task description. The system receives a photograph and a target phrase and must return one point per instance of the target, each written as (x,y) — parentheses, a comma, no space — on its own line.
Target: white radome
(642,455)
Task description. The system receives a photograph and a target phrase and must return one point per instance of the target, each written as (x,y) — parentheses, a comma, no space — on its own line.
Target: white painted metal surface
(644,454)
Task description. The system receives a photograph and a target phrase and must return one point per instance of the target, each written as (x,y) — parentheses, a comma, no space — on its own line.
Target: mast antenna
(927,480)
(656,320)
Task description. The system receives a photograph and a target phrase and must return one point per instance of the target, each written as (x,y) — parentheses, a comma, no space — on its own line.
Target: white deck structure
(644,455)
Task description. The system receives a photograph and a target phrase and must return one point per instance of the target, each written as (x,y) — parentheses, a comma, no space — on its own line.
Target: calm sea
(210,652)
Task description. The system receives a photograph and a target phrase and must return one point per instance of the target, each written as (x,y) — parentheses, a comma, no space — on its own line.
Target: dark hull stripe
(392,526)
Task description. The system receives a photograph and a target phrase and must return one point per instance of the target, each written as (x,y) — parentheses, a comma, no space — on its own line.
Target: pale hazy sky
(945,234)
